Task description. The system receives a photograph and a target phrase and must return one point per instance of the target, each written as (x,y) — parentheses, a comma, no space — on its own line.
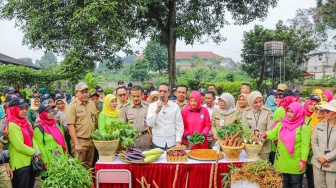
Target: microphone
(161,100)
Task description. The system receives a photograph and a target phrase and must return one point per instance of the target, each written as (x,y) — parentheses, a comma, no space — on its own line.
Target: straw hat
(152,95)
(330,106)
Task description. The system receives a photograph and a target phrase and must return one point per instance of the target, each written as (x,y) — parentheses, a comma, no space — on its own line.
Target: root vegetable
(236,135)
(235,142)
(226,141)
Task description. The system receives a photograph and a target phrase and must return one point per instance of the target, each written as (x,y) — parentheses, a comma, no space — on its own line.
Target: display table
(163,172)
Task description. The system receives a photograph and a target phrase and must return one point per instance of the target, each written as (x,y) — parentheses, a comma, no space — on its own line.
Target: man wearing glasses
(166,119)
(122,96)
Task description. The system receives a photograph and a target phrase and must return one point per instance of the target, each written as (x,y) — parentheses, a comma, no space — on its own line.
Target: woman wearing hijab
(327,95)
(288,98)
(318,92)
(22,144)
(196,118)
(324,148)
(49,136)
(109,113)
(242,102)
(226,114)
(309,107)
(317,116)
(258,118)
(293,145)
(42,91)
(272,102)
(60,102)
(31,114)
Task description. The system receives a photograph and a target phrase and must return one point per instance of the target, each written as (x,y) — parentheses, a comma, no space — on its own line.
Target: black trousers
(310,176)
(292,180)
(23,177)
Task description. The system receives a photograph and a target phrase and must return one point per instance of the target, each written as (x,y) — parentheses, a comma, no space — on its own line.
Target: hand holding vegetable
(196,138)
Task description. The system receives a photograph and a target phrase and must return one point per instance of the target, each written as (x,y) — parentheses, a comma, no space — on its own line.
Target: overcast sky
(11,37)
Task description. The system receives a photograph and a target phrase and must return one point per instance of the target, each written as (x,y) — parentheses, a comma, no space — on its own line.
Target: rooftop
(188,54)
(9,60)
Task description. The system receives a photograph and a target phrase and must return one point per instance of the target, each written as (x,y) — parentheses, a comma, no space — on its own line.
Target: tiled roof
(187,55)
(9,60)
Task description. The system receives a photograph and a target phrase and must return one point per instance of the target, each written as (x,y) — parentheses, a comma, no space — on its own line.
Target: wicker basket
(252,150)
(177,158)
(106,149)
(232,153)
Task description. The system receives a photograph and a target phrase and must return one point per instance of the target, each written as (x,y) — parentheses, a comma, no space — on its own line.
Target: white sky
(11,37)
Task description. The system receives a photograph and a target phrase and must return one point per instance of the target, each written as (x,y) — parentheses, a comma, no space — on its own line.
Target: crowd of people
(299,136)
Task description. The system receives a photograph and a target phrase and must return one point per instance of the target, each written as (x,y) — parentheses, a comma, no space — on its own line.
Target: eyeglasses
(162,91)
(122,95)
(320,110)
(327,111)
(278,96)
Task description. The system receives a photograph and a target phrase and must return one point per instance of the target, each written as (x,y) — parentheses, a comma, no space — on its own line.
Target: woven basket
(232,153)
(106,149)
(252,151)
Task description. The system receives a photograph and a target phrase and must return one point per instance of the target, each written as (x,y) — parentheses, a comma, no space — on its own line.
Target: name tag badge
(221,122)
(202,116)
(93,118)
(131,121)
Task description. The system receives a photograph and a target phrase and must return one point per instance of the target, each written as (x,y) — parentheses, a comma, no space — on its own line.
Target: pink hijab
(287,131)
(12,115)
(286,101)
(197,96)
(50,127)
(306,107)
(329,95)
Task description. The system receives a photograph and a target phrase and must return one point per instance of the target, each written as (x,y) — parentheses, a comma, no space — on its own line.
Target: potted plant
(117,134)
(252,144)
(230,141)
(67,172)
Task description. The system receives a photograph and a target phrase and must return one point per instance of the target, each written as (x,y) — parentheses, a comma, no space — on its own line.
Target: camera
(4,157)
(326,152)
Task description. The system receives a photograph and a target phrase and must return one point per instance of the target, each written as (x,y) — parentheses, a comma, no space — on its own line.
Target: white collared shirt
(210,110)
(167,125)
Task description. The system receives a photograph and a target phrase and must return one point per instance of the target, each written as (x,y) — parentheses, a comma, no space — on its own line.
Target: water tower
(274,51)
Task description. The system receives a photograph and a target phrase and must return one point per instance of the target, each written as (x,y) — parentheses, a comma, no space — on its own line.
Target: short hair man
(122,96)
(281,88)
(151,86)
(212,87)
(181,94)
(121,83)
(245,88)
(135,114)
(209,99)
(202,91)
(94,97)
(81,116)
(166,119)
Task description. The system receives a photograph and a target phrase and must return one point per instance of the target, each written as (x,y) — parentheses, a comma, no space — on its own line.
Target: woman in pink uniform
(196,118)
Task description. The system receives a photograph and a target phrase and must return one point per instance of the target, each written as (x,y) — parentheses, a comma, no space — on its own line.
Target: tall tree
(156,54)
(140,70)
(95,30)
(298,44)
(47,61)
(27,60)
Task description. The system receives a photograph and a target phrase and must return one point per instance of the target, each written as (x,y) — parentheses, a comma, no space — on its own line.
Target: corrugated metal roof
(187,55)
(9,60)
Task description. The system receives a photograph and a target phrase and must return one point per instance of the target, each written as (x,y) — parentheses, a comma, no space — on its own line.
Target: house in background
(4,59)
(322,64)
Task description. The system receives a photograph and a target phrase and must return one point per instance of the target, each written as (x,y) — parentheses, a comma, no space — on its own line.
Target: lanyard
(328,134)
(256,118)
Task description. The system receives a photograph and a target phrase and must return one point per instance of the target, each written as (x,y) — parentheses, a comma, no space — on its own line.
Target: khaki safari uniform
(83,115)
(119,106)
(217,117)
(262,121)
(5,181)
(324,177)
(136,117)
(183,105)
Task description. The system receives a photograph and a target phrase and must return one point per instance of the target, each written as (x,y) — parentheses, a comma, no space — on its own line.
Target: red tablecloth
(163,174)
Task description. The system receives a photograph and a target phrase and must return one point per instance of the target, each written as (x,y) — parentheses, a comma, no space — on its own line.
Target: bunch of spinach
(196,138)
(230,130)
(128,133)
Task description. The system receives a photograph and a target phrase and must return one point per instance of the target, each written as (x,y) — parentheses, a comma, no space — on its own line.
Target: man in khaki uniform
(135,114)
(122,95)
(181,94)
(81,116)
(259,120)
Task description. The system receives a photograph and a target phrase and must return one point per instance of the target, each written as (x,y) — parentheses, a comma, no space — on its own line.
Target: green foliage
(230,130)
(230,87)
(47,61)
(140,70)
(196,138)
(108,90)
(299,41)
(226,181)
(27,60)
(230,77)
(90,80)
(325,81)
(67,172)
(157,56)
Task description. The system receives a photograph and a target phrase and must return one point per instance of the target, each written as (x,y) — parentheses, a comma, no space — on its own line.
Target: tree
(139,70)
(156,54)
(27,60)
(96,30)
(47,61)
(298,44)
(196,61)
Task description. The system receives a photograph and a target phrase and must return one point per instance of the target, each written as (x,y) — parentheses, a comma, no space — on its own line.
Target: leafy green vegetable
(196,138)
(230,130)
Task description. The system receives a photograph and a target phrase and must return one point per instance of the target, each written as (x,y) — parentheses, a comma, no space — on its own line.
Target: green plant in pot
(67,172)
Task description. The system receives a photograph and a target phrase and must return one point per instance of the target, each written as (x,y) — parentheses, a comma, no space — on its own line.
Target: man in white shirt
(212,87)
(209,99)
(166,119)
